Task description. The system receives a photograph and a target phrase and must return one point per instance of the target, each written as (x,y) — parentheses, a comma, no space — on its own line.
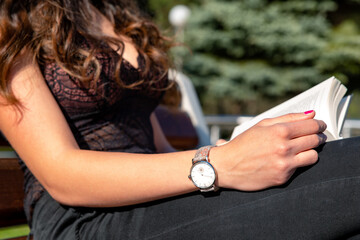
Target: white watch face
(203,174)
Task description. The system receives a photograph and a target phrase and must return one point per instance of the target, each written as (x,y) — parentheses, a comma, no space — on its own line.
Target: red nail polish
(310,111)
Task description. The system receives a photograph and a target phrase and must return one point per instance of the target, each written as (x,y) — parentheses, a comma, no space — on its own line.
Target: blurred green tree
(248,55)
(265,51)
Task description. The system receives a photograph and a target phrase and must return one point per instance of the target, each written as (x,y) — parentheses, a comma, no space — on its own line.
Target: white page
(333,118)
(308,100)
(341,112)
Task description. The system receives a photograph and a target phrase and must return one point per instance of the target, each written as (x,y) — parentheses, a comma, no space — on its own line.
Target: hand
(269,153)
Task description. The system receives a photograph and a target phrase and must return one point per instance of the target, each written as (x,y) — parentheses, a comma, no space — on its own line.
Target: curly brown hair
(49,30)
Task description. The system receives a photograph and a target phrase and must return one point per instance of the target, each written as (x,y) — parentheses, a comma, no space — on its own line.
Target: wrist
(218,160)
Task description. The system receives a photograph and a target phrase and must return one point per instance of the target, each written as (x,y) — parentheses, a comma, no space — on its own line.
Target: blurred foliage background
(245,56)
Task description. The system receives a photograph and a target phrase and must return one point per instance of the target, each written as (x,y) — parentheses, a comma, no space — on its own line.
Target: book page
(335,101)
(341,112)
(318,98)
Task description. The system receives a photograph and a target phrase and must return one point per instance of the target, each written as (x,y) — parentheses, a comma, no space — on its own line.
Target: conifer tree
(263,50)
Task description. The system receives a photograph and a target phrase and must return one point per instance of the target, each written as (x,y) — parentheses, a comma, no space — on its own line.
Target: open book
(326,98)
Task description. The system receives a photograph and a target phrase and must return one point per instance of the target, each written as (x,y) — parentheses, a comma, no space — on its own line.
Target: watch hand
(204,175)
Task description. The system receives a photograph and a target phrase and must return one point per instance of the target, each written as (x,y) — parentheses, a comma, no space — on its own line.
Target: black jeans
(319,202)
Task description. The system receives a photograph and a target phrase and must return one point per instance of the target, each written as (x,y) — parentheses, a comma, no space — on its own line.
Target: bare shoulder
(23,74)
(38,130)
(23,78)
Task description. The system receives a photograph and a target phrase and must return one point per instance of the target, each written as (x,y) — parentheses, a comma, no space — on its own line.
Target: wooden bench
(11,194)
(177,127)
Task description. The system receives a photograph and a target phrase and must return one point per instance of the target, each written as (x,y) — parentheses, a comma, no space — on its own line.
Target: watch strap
(202,154)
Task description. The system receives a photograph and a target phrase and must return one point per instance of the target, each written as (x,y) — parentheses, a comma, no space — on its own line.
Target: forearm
(108,179)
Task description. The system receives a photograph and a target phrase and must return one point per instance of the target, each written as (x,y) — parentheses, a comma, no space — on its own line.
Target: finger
(305,158)
(305,143)
(291,117)
(304,128)
(292,130)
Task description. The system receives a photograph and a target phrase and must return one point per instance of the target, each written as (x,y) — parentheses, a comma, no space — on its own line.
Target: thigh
(319,202)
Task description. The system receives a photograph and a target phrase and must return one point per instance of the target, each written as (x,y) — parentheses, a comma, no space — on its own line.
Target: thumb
(291,117)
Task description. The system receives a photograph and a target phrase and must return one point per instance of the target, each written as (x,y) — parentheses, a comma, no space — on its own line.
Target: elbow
(64,194)
(61,196)
(63,183)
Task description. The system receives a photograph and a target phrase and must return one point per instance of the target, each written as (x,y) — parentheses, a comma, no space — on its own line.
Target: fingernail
(323,138)
(310,111)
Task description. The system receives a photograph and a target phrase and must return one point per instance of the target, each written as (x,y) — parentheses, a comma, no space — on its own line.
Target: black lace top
(104,118)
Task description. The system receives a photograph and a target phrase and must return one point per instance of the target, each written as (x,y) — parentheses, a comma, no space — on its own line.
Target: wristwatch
(202,173)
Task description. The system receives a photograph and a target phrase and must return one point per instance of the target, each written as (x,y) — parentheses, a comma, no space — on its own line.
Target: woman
(79,82)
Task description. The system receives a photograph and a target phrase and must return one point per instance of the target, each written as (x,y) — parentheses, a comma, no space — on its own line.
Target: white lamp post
(178,17)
